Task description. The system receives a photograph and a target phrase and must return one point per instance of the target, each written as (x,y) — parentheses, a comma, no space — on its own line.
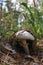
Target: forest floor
(10,57)
(8,60)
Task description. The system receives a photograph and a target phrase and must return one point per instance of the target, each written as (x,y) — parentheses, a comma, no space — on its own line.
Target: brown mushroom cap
(24,35)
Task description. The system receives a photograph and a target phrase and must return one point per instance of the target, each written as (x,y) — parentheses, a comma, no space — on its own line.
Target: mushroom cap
(24,35)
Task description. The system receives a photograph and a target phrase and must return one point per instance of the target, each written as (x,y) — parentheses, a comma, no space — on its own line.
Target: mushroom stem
(25,46)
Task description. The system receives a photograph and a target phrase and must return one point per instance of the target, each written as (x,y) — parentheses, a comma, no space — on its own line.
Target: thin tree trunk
(34,3)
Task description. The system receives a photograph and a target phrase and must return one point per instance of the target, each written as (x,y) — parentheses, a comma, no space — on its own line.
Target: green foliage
(35,20)
(9,25)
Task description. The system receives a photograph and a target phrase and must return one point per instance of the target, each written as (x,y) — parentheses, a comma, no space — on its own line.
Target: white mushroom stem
(23,35)
(25,46)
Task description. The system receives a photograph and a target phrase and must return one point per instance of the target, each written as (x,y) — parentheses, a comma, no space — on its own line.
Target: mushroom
(24,35)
